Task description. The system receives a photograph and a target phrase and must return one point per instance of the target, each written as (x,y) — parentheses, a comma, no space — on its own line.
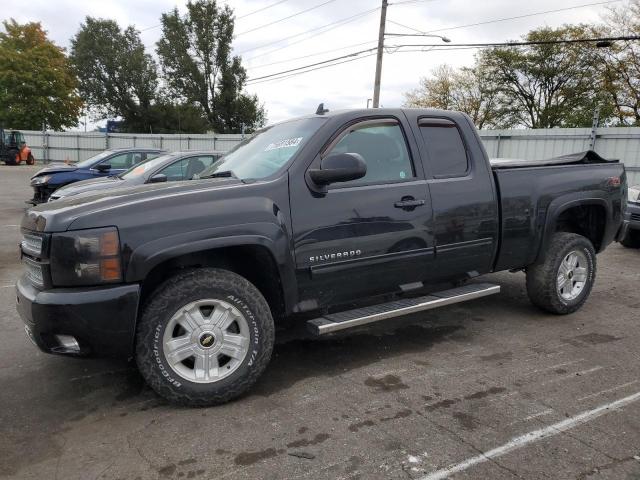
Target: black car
(107,163)
(169,167)
(631,238)
(390,211)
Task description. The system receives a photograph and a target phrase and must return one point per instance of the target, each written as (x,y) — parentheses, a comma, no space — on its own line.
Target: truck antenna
(321,110)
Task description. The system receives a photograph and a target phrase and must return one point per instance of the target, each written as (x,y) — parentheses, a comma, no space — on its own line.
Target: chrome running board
(361,316)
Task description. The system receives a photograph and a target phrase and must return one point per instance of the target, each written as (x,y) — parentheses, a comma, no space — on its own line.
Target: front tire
(204,337)
(631,239)
(562,282)
(30,159)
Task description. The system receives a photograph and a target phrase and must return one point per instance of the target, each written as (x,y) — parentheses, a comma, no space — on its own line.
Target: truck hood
(102,207)
(91,185)
(55,169)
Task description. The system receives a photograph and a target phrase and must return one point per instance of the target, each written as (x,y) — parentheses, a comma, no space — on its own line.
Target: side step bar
(361,316)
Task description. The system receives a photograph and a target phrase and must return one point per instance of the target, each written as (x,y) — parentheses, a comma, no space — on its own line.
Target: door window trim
(366,123)
(440,122)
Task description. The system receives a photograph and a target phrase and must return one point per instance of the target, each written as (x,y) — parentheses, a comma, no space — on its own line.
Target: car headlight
(85,257)
(41,180)
(634,194)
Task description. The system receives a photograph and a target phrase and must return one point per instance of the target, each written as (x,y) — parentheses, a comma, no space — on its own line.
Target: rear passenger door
(462,192)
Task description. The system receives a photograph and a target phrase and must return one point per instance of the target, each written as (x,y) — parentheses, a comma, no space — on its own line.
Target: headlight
(41,180)
(85,257)
(634,194)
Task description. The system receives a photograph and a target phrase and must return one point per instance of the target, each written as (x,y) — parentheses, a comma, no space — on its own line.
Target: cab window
(187,168)
(383,148)
(446,150)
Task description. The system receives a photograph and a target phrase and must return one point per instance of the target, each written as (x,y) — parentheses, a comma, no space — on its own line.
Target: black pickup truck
(390,211)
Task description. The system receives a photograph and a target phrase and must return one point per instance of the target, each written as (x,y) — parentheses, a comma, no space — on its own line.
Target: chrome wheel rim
(206,340)
(572,275)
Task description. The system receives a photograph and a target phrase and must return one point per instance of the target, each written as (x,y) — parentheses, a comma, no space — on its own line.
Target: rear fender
(565,202)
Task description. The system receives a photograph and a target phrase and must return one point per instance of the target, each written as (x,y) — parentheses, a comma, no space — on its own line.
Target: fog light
(67,343)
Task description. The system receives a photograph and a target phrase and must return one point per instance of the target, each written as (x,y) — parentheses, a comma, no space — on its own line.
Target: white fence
(621,143)
(77,146)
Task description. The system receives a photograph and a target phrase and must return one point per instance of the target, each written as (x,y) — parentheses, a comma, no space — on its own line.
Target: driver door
(366,236)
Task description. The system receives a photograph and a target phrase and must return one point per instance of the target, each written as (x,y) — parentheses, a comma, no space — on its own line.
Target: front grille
(34,272)
(32,245)
(635,217)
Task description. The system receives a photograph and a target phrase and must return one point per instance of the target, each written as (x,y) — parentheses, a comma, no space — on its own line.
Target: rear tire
(204,338)
(562,282)
(631,239)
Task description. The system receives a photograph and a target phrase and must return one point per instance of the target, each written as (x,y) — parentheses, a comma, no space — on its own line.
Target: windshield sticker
(289,142)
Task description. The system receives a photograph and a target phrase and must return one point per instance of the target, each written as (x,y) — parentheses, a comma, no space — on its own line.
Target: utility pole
(376,84)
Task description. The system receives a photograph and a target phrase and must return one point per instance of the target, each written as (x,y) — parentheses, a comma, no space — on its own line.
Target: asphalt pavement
(490,389)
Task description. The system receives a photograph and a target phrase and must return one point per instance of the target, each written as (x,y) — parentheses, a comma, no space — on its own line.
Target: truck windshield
(266,151)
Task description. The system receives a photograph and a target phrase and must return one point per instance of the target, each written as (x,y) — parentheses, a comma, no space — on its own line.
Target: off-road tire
(172,295)
(31,160)
(631,239)
(542,277)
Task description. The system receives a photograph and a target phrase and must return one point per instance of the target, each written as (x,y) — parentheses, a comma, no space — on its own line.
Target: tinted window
(124,160)
(187,168)
(384,150)
(447,155)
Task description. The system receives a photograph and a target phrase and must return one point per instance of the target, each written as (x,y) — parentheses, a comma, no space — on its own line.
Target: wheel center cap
(570,275)
(207,340)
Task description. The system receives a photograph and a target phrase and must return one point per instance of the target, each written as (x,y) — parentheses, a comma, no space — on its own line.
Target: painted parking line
(534,436)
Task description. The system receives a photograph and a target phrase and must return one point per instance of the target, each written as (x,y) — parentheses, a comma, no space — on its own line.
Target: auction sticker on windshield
(289,142)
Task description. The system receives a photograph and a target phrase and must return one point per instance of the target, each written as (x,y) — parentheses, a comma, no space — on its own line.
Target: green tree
(467,90)
(196,61)
(548,85)
(117,77)
(621,64)
(37,85)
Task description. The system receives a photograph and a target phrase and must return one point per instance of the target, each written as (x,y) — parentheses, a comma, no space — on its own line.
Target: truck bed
(580,158)
(532,194)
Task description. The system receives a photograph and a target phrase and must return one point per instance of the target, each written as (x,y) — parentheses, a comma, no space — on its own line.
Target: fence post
(214,141)
(77,148)
(498,147)
(106,140)
(594,128)
(188,143)
(134,140)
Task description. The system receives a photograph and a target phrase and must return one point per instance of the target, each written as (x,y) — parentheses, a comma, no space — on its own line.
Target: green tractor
(14,149)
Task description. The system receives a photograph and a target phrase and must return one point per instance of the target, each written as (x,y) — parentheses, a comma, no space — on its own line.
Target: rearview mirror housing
(158,178)
(339,167)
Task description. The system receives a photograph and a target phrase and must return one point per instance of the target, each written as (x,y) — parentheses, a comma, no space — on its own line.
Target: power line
(332,25)
(285,18)
(460,46)
(313,64)
(260,9)
(312,69)
(523,16)
(405,26)
(254,67)
(526,43)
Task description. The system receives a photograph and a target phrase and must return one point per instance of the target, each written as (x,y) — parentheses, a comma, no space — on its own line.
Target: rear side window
(447,154)
(384,150)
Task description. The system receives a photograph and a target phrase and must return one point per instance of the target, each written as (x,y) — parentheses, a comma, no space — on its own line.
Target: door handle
(409,203)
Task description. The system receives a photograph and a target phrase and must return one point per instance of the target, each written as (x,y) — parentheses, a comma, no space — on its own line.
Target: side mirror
(339,167)
(103,167)
(158,178)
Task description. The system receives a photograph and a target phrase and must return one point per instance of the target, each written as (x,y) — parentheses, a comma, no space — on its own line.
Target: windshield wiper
(223,174)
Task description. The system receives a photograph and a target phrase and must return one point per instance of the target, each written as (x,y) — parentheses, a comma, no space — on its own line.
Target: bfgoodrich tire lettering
(543,278)
(185,289)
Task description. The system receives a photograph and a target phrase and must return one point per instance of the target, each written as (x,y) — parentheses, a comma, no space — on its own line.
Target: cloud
(345,86)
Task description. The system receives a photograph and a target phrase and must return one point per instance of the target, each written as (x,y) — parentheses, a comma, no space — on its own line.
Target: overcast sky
(343,86)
